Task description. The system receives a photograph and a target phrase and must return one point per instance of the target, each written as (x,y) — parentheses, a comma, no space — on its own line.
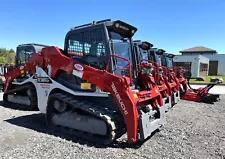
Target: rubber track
(114,120)
(20,88)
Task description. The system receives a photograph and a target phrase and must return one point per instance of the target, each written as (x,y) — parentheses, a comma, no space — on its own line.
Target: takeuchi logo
(79,67)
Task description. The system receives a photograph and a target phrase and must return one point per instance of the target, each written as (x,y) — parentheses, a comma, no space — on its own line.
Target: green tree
(7,55)
(2,60)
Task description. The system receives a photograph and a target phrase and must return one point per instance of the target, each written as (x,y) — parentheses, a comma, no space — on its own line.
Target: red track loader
(142,55)
(23,54)
(198,95)
(169,75)
(167,82)
(179,71)
(92,89)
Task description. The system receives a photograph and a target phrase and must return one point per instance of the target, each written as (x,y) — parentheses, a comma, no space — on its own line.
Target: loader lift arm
(36,59)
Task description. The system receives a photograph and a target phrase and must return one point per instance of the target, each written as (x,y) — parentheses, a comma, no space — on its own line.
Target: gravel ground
(193,130)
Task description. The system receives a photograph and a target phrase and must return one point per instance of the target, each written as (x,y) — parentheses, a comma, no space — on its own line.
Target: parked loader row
(102,85)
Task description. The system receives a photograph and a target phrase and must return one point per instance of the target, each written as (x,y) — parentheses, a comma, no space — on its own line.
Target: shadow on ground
(37,123)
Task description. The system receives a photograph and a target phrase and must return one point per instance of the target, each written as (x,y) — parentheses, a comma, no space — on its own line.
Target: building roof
(198,49)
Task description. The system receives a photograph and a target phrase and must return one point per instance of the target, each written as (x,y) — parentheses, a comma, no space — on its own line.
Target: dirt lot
(193,130)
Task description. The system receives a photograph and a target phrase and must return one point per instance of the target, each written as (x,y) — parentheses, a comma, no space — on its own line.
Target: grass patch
(207,79)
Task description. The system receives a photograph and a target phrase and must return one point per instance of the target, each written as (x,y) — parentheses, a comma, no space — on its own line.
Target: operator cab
(141,48)
(169,59)
(145,51)
(157,55)
(24,52)
(94,43)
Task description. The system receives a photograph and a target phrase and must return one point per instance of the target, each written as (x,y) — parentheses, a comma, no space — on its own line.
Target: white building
(201,61)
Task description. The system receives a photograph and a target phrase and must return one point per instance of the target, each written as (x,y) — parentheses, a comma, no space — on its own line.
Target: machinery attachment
(201,94)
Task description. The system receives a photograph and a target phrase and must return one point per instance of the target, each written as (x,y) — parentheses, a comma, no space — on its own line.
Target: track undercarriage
(22,95)
(83,119)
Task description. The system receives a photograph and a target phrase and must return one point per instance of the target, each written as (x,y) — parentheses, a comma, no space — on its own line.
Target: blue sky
(173,25)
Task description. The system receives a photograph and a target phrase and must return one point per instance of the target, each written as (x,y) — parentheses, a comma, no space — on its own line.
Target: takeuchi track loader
(167,82)
(92,89)
(25,96)
(179,71)
(142,55)
(169,75)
